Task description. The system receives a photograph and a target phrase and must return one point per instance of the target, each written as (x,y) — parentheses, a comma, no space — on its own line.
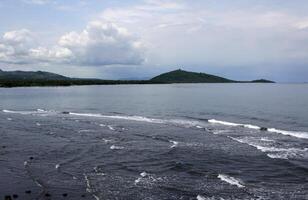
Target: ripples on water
(76,155)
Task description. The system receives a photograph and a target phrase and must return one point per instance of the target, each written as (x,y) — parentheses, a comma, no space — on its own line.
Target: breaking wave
(273,152)
(132,118)
(231,180)
(25,112)
(298,134)
(182,122)
(114,147)
(174,144)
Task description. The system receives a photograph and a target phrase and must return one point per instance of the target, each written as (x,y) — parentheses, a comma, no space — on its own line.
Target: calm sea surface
(179,141)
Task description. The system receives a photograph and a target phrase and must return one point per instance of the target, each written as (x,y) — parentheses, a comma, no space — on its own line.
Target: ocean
(172,141)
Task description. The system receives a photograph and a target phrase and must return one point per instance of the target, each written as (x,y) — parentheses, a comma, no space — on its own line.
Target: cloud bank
(98,44)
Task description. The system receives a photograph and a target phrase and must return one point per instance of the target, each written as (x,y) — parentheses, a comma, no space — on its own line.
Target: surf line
(302,135)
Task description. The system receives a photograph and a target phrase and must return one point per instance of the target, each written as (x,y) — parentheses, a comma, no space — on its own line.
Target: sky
(138,39)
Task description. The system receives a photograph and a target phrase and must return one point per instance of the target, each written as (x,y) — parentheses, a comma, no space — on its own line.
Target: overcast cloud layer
(239,39)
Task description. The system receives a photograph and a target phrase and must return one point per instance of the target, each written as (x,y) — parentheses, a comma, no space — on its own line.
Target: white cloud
(97,45)
(181,34)
(174,33)
(15,45)
(302,24)
(37,2)
(102,44)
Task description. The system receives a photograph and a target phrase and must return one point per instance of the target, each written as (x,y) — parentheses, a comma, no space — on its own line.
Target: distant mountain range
(40,78)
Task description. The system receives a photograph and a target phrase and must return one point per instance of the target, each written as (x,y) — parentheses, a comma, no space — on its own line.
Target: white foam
(298,134)
(86,131)
(231,180)
(106,140)
(143,174)
(185,123)
(251,126)
(272,152)
(9,119)
(38,124)
(38,111)
(8,111)
(303,135)
(89,188)
(214,121)
(111,128)
(138,180)
(114,147)
(37,183)
(133,118)
(57,166)
(199,197)
(266,140)
(217,132)
(174,144)
(277,156)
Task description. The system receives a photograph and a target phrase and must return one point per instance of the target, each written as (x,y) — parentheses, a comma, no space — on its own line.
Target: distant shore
(67,83)
(41,79)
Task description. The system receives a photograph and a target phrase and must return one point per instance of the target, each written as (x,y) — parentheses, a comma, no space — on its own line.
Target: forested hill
(181,76)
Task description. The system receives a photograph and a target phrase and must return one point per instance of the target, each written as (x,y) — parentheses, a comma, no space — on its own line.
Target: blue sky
(116,39)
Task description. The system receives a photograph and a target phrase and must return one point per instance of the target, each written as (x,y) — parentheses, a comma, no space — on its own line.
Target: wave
(106,140)
(143,175)
(297,134)
(114,147)
(19,112)
(182,122)
(267,140)
(132,118)
(214,121)
(231,180)
(57,166)
(89,189)
(24,112)
(303,135)
(111,128)
(273,152)
(174,144)
(199,197)
(86,131)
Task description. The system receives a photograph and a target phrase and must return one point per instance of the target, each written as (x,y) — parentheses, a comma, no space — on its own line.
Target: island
(41,78)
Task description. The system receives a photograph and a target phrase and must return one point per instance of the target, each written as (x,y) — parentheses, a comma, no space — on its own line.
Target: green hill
(29,75)
(181,76)
(262,81)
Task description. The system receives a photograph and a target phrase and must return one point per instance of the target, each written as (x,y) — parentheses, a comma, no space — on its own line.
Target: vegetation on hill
(26,75)
(262,81)
(181,76)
